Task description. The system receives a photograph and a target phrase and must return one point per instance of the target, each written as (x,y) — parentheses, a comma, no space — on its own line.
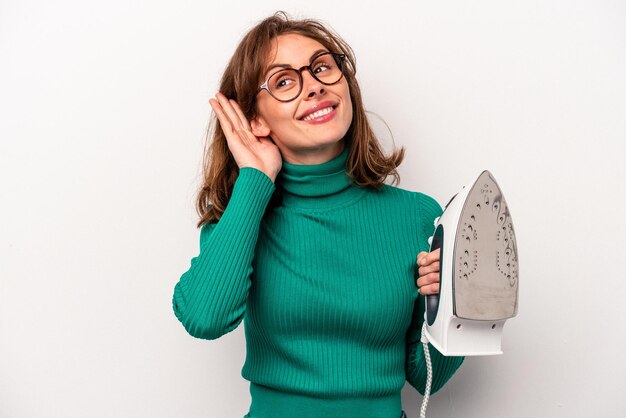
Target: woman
(302,239)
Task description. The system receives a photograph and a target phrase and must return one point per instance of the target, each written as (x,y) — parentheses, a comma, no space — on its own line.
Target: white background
(103,109)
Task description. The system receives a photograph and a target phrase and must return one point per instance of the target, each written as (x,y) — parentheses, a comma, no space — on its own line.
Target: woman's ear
(260,128)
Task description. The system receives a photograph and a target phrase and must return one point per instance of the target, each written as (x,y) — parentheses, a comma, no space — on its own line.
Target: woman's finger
(432,289)
(235,129)
(429,269)
(429,257)
(229,111)
(225,122)
(242,118)
(428,279)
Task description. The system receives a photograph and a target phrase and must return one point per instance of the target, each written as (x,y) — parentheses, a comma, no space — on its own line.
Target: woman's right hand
(247,149)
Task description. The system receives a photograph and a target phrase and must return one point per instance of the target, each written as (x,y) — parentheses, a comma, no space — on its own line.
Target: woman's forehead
(293,49)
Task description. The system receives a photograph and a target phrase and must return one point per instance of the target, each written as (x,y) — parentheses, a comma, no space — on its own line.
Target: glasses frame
(339,59)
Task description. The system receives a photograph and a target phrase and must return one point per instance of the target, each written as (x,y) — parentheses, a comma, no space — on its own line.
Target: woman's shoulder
(403,199)
(396,192)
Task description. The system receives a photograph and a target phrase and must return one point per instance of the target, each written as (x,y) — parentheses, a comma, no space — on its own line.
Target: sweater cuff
(251,194)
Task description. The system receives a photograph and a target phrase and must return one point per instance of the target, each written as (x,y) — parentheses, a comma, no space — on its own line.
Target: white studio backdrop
(104,106)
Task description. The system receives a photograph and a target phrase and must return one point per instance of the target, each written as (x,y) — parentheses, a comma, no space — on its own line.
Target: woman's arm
(210,298)
(415,364)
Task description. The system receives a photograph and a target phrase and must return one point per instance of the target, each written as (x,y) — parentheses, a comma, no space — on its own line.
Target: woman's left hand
(428,281)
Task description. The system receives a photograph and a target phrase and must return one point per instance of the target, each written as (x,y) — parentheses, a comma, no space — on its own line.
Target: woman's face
(303,141)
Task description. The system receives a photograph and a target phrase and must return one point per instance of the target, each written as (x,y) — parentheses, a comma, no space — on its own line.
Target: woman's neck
(318,186)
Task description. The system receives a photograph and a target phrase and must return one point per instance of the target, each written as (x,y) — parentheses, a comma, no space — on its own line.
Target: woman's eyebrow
(289,66)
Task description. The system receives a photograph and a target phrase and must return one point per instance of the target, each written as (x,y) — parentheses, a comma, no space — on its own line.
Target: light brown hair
(366,164)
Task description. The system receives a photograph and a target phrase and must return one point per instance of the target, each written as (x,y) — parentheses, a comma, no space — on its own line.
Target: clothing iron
(478,272)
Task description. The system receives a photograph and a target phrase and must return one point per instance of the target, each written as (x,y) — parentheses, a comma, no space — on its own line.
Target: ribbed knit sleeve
(443,367)
(210,298)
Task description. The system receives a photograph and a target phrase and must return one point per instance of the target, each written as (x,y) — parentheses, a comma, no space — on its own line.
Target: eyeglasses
(286,84)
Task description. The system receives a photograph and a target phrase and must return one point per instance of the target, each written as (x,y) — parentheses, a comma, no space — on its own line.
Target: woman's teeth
(319,113)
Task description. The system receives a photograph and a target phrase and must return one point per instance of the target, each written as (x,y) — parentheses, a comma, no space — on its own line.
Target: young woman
(302,239)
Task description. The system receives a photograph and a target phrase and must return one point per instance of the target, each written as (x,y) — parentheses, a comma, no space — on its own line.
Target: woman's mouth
(321,116)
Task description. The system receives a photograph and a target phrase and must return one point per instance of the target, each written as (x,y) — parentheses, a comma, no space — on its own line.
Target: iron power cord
(429,372)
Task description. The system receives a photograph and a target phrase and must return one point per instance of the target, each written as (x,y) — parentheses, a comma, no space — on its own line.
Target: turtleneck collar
(318,186)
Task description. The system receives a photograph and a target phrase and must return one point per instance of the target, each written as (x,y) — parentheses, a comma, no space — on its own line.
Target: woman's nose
(312,86)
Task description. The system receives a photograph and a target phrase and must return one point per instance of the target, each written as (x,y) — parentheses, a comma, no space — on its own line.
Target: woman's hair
(366,163)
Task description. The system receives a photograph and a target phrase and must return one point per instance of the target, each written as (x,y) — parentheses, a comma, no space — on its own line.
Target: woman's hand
(428,281)
(247,149)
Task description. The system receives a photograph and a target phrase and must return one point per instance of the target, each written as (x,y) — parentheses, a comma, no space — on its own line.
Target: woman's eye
(283,83)
(322,67)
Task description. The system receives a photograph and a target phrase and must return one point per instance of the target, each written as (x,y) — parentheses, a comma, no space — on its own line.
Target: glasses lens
(285,84)
(327,68)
